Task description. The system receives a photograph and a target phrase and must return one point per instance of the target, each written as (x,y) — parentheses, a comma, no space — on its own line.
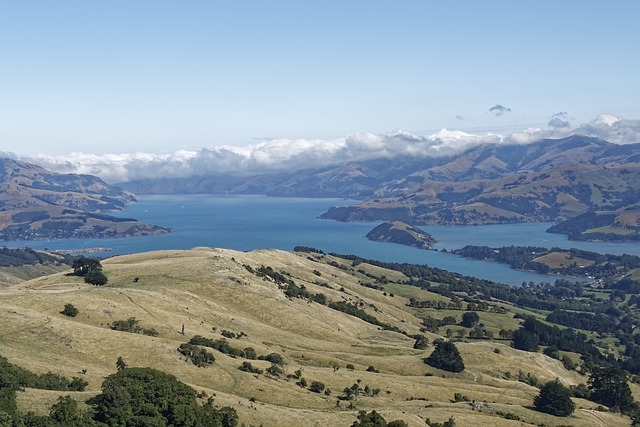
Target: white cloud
(296,154)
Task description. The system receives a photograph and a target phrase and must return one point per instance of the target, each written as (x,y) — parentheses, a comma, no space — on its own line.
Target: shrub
(69,310)
(445,356)
(554,399)
(198,356)
(97,278)
(316,387)
(247,367)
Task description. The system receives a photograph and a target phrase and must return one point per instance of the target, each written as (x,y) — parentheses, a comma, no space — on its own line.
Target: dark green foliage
(97,278)
(13,377)
(69,310)
(525,340)
(120,364)
(82,266)
(199,356)
(316,387)
(593,322)
(247,367)
(459,397)
(275,370)
(352,310)
(554,399)
(535,332)
(445,356)
(470,319)
(66,412)
(147,397)
(278,278)
(421,343)
(249,353)
(374,419)
(274,358)
(132,325)
(609,387)
(222,345)
(451,422)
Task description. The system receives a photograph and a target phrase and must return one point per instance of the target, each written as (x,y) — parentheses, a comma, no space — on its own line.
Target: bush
(199,356)
(445,356)
(69,310)
(97,278)
(147,397)
(316,387)
(247,367)
(554,399)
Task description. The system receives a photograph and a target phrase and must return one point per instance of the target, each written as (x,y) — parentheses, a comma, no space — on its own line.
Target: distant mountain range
(38,204)
(549,180)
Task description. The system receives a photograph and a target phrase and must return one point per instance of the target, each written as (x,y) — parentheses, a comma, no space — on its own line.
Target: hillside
(39,204)
(265,299)
(548,180)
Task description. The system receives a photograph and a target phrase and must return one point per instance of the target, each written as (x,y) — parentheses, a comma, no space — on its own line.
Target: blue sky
(159,76)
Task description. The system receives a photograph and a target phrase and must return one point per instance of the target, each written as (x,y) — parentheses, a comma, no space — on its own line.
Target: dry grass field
(211,290)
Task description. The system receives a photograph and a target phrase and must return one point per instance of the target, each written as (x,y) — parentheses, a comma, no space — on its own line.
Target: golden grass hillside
(211,290)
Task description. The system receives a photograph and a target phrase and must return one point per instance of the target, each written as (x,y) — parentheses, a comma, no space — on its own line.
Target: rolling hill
(268,300)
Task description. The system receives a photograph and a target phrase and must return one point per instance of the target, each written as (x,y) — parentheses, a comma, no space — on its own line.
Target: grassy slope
(209,288)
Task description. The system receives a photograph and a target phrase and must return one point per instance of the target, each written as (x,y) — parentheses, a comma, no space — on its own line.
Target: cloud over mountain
(296,154)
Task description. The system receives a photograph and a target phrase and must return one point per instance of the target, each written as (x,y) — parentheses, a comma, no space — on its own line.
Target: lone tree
(69,310)
(470,319)
(554,399)
(445,356)
(82,266)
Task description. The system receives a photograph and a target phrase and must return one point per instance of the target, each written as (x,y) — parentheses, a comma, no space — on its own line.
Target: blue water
(251,222)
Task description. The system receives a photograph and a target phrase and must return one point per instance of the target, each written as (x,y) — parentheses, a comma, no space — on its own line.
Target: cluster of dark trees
(374,419)
(90,269)
(130,397)
(131,325)
(522,258)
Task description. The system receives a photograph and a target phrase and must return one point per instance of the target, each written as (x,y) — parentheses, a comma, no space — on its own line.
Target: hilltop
(270,300)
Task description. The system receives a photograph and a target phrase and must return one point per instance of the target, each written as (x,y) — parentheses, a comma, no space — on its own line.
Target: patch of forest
(574,262)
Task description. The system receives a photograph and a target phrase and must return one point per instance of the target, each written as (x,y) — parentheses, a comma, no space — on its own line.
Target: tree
(120,363)
(525,340)
(609,387)
(147,397)
(470,319)
(66,411)
(69,310)
(445,356)
(82,266)
(554,399)
(374,419)
(97,278)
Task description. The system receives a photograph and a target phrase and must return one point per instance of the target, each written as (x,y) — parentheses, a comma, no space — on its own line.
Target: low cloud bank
(297,154)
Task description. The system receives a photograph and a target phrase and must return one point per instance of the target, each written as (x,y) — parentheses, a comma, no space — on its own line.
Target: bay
(246,222)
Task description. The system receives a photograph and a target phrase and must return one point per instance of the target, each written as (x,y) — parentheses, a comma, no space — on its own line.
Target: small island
(403,234)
